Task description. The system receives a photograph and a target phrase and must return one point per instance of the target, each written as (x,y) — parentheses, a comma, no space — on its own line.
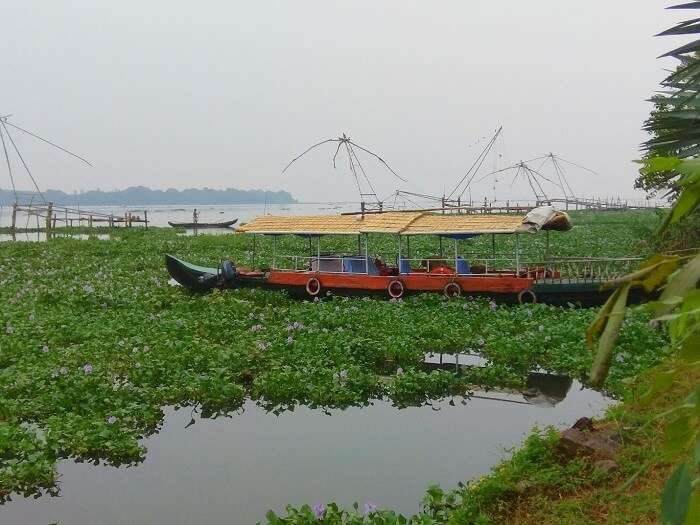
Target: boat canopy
(402,223)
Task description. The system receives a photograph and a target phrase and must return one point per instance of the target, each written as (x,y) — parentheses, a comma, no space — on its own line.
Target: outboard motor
(227,271)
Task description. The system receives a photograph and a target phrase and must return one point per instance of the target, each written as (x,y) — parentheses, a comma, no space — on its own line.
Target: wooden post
(145,217)
(49,213)
(89,221)
(14,216)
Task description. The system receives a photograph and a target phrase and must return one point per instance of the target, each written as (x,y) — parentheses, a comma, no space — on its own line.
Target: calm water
(231,471)
(159,215)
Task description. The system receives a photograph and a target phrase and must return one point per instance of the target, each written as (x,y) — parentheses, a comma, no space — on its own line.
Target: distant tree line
(139,195)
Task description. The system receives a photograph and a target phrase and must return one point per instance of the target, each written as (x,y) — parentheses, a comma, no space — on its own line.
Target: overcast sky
(224,94)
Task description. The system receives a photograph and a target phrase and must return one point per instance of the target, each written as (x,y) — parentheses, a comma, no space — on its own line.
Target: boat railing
(483,265)
(551,269)
(582,269)
(304,263)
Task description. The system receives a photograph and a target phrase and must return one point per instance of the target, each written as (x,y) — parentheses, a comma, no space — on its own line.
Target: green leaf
(662,381)
(678,433)
(693,516)
(660,164)
(606,343)
(690,347)
(696,453)
(661,266)
(676,496)
(686,203)
(686,279)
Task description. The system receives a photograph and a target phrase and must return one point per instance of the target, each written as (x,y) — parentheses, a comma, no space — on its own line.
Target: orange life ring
(395,289)
(452,290)
(313,287)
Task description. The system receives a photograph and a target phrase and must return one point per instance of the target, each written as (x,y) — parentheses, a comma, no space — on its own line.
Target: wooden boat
(505,279)
(222,224)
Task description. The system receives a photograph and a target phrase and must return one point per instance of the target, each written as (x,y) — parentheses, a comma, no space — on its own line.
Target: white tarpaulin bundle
(546,218)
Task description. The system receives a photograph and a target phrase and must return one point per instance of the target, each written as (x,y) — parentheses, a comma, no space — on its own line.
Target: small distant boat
(223,224)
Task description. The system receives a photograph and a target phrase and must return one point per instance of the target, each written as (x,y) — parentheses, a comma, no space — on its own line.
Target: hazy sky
(224,94)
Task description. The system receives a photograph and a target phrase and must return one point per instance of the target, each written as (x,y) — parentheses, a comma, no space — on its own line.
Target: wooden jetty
(49,216)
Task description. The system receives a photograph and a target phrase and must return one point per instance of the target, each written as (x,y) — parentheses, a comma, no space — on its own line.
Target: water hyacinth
(87,368)
(45,349)
(111,420)
(262,345)
(88,289)
(341,376)
(203,348)
(9,329)
(319,510)
(369,507)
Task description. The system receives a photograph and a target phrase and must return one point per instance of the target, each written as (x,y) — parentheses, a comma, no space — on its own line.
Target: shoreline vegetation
(95,342)
(141,195)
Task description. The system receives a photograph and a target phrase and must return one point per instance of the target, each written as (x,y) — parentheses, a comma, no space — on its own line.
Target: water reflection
(228,471)
(541,388)
(546,389)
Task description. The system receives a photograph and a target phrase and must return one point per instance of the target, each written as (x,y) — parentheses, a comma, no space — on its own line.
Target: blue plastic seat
(463,266)
(404,266)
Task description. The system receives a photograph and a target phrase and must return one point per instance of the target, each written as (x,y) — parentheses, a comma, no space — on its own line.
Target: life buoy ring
(313,287)
(395,289)
(452,290)
(526,296)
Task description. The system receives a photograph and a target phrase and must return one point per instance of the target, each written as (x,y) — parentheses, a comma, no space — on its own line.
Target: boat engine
(227,271)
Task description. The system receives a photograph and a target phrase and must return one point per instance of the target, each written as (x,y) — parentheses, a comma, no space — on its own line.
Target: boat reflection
(541,388)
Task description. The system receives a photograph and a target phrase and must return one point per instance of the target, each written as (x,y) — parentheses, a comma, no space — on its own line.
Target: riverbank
(540,484)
